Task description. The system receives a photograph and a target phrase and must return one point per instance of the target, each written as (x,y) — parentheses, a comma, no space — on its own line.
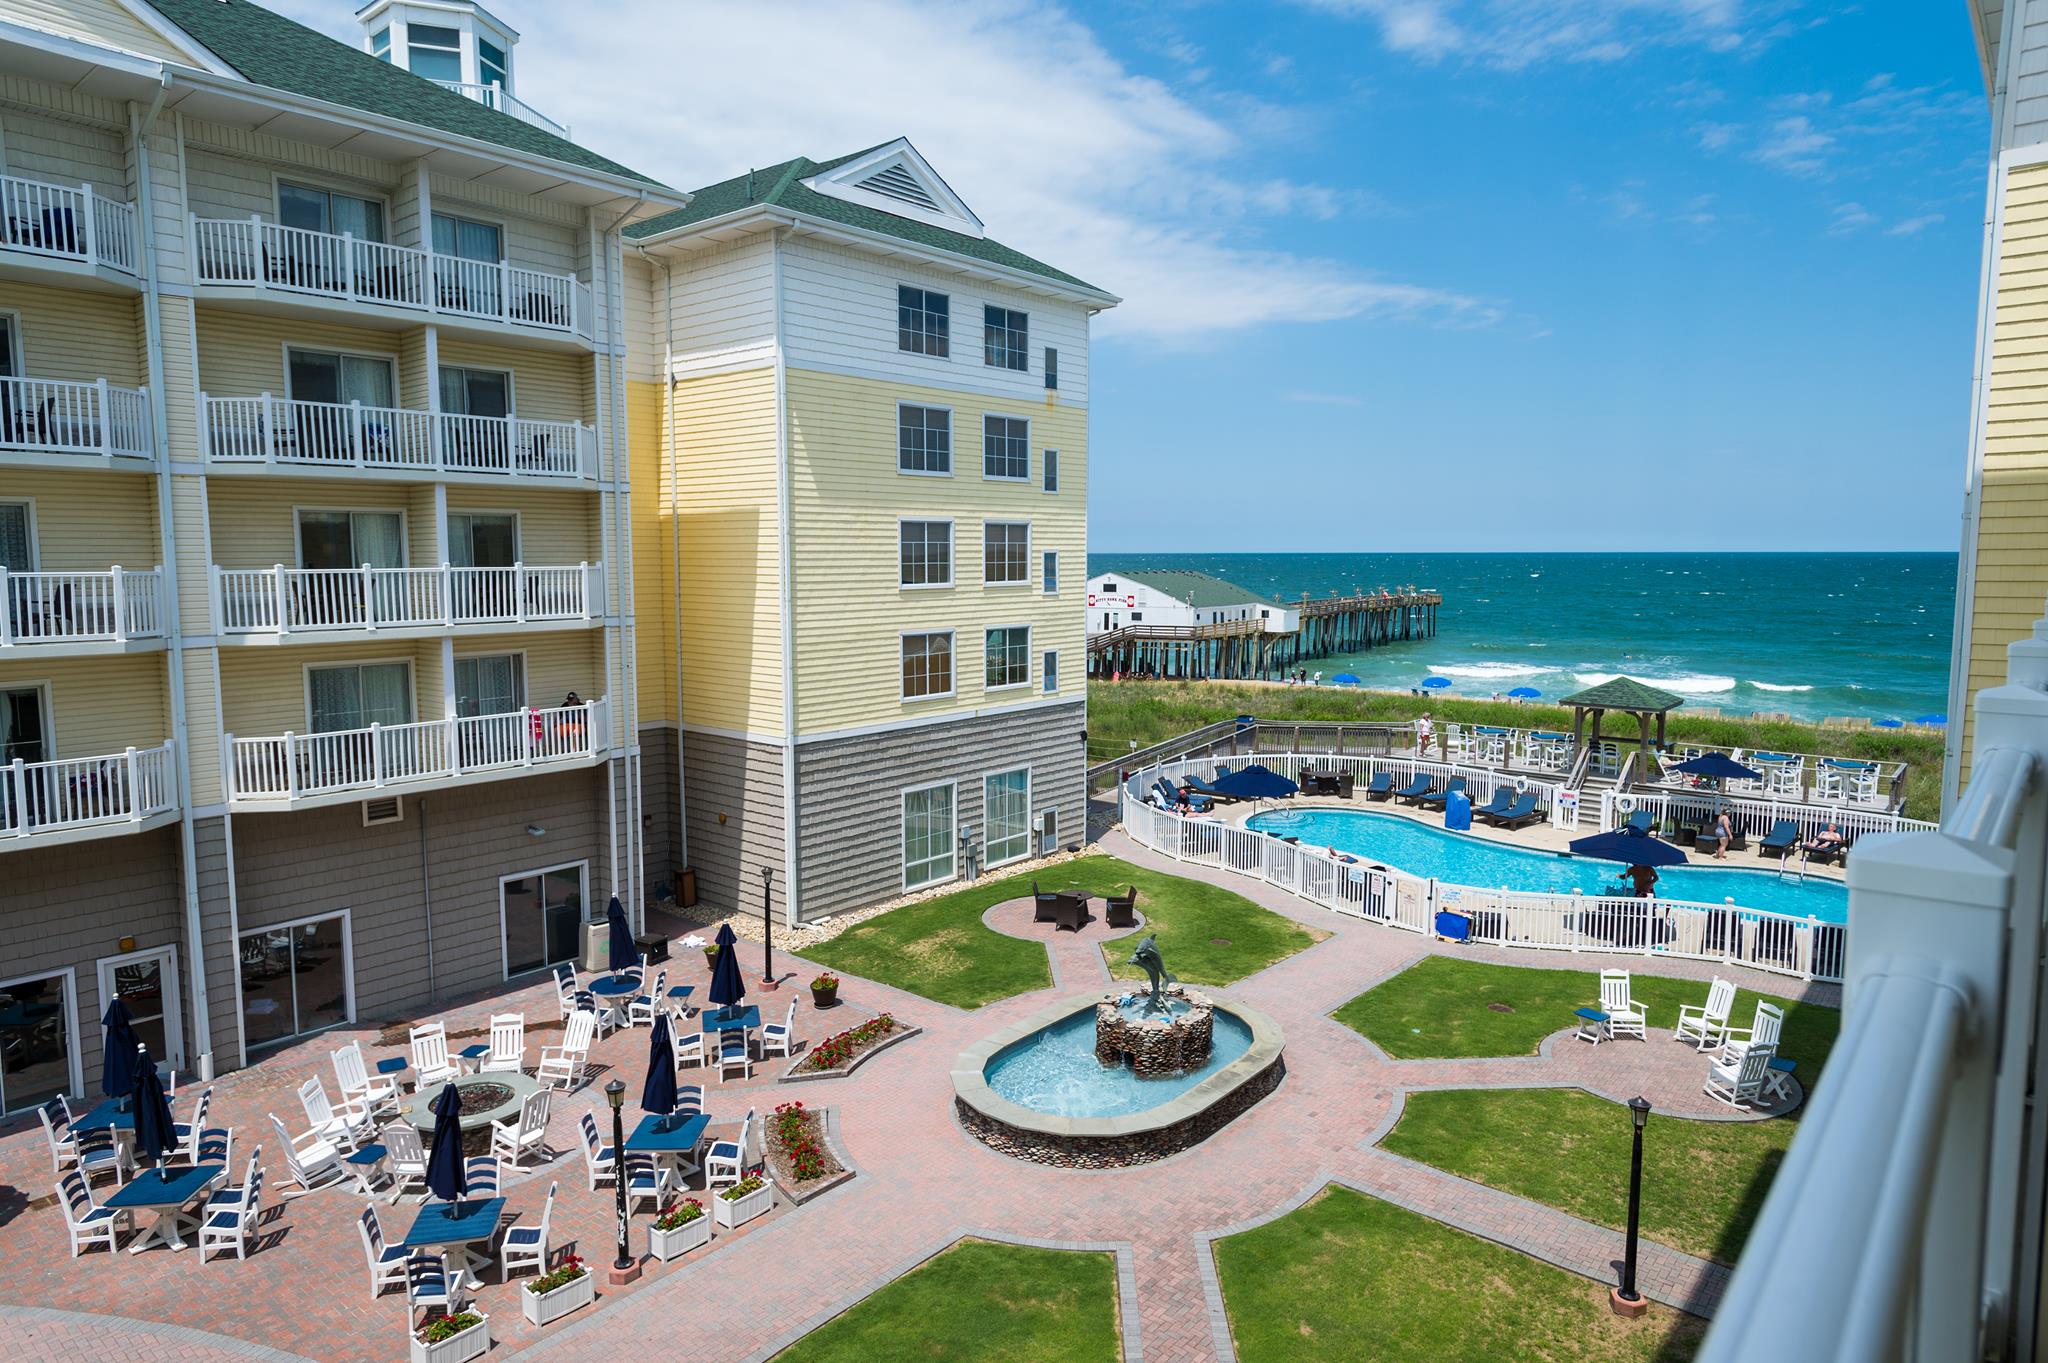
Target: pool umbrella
(1631,849)
(1348,679)
(1525,693)
(658,1094)
(728,987)
(444,1158)
(1436,683)
(1254,782)
(625,955)
(1719,766)
(155,1132)
(1887,723)
(117,1054)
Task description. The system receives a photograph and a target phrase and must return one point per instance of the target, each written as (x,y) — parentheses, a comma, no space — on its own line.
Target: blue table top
(611,986)
(369,1154)
(682,991)
(476,1052)
(1591,1014)
(727,1020)
(158,1188)
(1781,1065)
(649,1138)
(1486,729)
(476,1220)
(105,1117)
(393,1064)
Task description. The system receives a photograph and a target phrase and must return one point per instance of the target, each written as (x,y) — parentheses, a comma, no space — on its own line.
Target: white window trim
(1025,313)
(48,705)
(988,477)
(1006,686)
(299,509)
(35,547)
(174,999)
(526,696)
(10,318)
(518,524)
(988,826)
(348,972)
(329,185)
(1049,458)
(952,441)
(951,634)
(511,382)
(504,961)
(481,218)
(1024,581)
(952,554)
(72,1009)
(412,682)
(946,358)
(952,835)
(285,349)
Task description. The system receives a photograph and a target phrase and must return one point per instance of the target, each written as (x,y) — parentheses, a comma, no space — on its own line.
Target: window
(1050,668)
(1052,368)
(491,65)
(924,439)
(1006,807)
(1109,588)
(1006,552)
(1005,447)
(36,1041)
(476,392)
(491,684)
(467,239)
(1049,563)
(17,538)
(926,558)
(433,52)
(1051,462)
(380,44)
(479,539)
(294,979)
(927,665)
(325,376)
(541,913)
(350,539)
(1137,617)
(357,695)
(322,210)
(927,836)
(924,321)
(1005,339)
(1009,657)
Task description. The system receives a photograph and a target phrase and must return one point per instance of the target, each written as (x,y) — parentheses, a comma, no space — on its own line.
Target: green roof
(1624,693)
(1198,589)
(271,50)
(779,186)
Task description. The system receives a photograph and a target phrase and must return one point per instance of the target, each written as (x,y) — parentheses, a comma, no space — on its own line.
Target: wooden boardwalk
(1238,650)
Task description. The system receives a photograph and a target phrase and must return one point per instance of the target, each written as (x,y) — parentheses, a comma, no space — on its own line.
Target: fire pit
(482,1099)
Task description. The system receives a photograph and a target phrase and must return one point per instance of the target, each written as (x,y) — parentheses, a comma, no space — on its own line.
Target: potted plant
(452,1339)
(554,1295)
(711,955)
(745,1200)
(681,1227)
(825,991)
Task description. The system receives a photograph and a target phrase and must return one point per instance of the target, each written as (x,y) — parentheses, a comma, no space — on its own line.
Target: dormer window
(491,63)
(380,44)
(433,52)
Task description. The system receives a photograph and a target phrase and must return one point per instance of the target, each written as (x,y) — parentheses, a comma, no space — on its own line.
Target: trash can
(652,945)
(1458,810)
(597,946)
(686,887)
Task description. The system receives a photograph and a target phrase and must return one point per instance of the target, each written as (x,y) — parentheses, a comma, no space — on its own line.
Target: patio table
(108,1115)
(457,1226)
(730,1019)
(474,1054)
(668,1138)
(367,1164)
(611,986)
(167,1193)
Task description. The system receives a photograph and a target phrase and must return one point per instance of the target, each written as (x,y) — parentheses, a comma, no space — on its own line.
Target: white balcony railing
(252,253)
(294,766)
(1898,1226)
(269,430)
(56,416)
(83,792)
(281,600)
(66,222)
(495,96)
(62,608)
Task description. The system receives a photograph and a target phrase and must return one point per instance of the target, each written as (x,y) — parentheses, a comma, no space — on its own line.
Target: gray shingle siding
(741,781)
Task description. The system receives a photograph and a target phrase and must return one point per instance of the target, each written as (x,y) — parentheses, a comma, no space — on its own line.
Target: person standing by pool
(1424,730)
(1645,877)
(1724,833)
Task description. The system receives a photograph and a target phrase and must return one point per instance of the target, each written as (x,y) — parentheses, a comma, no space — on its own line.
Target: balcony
(48,614)
(59,424)
(302,770)
(495,96)
(314,605)
(249,253)
(68,224)
(44,803)
(327,437)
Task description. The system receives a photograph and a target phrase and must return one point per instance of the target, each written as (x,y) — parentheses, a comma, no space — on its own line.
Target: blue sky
(1411,274)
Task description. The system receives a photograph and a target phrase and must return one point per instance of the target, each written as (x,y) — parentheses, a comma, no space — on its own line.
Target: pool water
(1462,859)
(1054,1070)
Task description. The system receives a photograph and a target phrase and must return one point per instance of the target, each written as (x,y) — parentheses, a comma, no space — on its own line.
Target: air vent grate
(898,183)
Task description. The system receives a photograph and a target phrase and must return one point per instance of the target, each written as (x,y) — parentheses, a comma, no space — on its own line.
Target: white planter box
(737,1212)
(666,1245)
(474,1342)
(542,1307)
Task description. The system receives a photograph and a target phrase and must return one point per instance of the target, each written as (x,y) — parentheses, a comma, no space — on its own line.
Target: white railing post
(291,766)
(280,596)
(369,598)
(85,215)
(525,736)
(134,788)
(227,765)
(120,594)
(519,592)
(359,453)
(6,609)
(504,290)
(586,581)
(447,595)
(259,275)
(101,420)
(266,428)
(17,773)
(376,755)
(348,264)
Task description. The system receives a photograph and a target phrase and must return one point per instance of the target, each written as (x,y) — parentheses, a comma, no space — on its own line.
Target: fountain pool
(1055,1070)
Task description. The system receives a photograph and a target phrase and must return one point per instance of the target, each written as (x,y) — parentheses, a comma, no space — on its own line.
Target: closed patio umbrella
(155,1131)
(117,1056)
(445,1178)
(658,1094)
(1255,782)
(624,954)
(728,985)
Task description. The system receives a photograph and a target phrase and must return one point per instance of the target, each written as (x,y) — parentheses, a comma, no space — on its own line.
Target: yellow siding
(85,523)
(101,21)
(846,501)
(556,663)
(546,386)
(181,411)
(731,634)
(241,354)
(78,336)
(264,689)
(555,528)
(99,705)
(255,520)
(203,726)
(654,567)
(188,515)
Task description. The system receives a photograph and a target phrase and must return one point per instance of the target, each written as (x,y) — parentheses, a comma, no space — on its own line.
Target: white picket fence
(1755,817)
(1524,920)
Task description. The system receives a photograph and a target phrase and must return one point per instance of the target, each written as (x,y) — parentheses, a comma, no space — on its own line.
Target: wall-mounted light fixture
(534,830)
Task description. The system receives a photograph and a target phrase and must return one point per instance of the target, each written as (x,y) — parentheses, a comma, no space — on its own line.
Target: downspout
(788,594)
(139,127)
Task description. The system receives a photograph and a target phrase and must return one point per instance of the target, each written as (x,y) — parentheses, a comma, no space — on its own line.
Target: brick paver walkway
(921,1183)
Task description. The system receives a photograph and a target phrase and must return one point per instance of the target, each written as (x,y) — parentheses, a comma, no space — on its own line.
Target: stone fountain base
(1156,1046)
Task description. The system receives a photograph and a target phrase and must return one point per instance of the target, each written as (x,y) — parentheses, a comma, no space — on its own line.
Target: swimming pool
(1462,859)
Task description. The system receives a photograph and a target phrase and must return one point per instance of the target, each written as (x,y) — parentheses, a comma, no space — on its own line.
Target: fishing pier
(1255,648)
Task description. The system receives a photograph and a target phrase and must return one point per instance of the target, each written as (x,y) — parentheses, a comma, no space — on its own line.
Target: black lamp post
(624,1268)
(768,927)
(1626,1301)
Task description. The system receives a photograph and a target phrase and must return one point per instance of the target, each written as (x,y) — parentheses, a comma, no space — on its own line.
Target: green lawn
(939,948)
(1348,1278)
(1703,1182)
(1441,1006)
(979,1302)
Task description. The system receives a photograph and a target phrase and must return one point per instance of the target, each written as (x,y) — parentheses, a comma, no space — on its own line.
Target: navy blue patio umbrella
(155,1131)
(1255,782)
(445,1178)
(624,954)
(1717,765)
(1348,679)
(658,1094)
(1630,849)
(117,1053)
(728,985)
(1436,683)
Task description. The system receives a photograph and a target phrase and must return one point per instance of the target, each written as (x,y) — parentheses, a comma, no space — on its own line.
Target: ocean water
(1810,635)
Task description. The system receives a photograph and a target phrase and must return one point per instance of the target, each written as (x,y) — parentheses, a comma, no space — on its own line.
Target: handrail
(496,96)
(67,222)
(271,430)
(61,416)
(114,606)
(87,792)
(281,600)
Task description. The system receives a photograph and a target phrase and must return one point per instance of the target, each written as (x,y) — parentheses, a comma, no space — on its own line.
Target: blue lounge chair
(1198,803)
(1784,835)
(1413,792)
(1437,797)
(1380,787)
(1523,811)
(1503,800)
(1201,787)
(1642,821)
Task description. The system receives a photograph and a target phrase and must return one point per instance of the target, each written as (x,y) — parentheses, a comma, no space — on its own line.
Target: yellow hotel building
(416,528)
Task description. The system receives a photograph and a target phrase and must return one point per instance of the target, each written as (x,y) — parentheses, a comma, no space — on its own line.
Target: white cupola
(455,43)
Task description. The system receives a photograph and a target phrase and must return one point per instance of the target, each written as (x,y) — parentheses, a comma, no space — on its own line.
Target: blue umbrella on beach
(1347,679)
(1255,782)
(155,1132)
(117,1053)
(445,1178)
(658,1094)
(1932,719)
(1718,766)
(1436,683)
(1630,849)
(624,955)
(728,986)
(1887,723)
(1525,693)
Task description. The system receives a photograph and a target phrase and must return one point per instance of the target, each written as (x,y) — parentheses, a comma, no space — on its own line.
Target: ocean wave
(1772,686)
(1488,669)
(1686,685)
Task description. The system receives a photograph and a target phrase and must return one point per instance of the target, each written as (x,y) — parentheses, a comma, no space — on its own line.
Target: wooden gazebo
(1624,694)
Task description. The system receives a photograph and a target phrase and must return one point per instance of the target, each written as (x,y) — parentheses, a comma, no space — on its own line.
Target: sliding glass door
(541,914)
(36,1040)
(295,979)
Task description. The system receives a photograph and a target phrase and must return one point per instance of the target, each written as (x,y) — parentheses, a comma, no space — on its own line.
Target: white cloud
(1913,227)
(1064,151)
(1516,33)
(1795,145)
(1850,217)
